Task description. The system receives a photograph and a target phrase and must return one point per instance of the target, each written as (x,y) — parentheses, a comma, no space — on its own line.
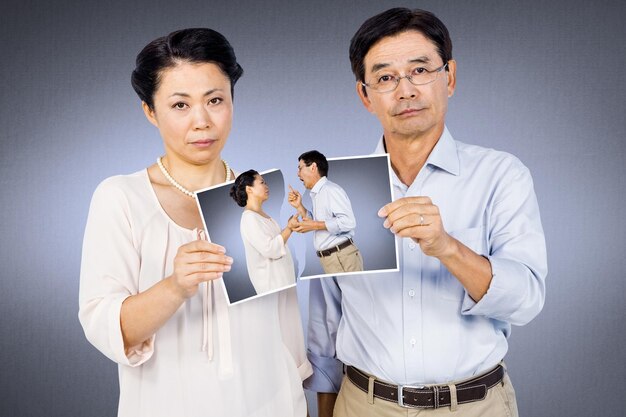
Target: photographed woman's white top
(208,359)
(268,258)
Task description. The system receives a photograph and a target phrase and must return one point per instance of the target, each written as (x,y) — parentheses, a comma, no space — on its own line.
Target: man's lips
(407,112)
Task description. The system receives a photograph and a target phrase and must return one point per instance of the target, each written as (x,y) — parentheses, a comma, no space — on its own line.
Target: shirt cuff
(278,247)
(332,225)
(305,370)
(506,293)
(134,355)
(327,374)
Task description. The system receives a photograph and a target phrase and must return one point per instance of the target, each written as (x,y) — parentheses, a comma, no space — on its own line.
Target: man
(332,220)
(472,253)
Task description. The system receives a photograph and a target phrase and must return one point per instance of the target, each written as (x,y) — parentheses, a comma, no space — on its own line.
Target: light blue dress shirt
(419,325)
(331,205)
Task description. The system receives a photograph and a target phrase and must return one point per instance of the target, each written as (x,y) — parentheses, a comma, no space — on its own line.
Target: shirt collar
(444,155)
(318,185)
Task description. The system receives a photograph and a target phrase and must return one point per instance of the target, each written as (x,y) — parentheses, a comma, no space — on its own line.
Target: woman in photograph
(150,286)
(270,266)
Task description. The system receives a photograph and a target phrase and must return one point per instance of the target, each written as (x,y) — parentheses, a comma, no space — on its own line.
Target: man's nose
(406,90)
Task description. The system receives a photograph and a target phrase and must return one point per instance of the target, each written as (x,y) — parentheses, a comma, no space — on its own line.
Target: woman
(268,258)
(149,292)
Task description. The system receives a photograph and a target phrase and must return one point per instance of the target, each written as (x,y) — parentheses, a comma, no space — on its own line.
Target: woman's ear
(150,114)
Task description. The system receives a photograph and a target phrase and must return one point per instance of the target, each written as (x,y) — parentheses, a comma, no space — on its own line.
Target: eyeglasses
(418,76)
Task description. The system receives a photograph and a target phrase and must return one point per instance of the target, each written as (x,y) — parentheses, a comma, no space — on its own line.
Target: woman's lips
(203,143)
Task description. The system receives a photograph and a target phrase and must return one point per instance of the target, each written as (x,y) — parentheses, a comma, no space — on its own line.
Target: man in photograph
(331,220)
(433,335)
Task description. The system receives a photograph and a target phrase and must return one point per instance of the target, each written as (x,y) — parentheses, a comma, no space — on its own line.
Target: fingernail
(229,260)
(227,268)
(386,224)
(381,212)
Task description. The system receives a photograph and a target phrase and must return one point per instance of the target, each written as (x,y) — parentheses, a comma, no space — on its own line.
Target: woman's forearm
(144,313)
(286,233)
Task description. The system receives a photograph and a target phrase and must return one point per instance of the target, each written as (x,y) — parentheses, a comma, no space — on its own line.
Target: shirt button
(413,342)
(412,245)
(411,293)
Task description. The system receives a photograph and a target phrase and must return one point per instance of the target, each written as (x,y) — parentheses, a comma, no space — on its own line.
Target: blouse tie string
(209,307)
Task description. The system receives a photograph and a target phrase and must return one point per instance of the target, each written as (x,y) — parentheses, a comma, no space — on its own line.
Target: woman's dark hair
(393,22)
(320,160)
(238,190)
(187,45)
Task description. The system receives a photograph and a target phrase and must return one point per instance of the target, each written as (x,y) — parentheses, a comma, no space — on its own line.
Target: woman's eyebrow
(209,92)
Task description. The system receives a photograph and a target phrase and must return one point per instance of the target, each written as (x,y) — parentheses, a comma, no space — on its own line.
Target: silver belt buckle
(401,394)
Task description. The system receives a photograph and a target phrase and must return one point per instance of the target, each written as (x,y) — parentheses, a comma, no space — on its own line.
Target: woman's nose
(202,119)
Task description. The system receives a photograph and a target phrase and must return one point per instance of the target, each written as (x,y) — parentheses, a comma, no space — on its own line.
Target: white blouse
(268,258)
(252,365)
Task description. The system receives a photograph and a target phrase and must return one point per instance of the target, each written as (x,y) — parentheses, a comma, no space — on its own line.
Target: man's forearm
(302,211)
(470,268)
(319,225)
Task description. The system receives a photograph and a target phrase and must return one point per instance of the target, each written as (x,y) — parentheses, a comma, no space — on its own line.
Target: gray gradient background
(367,183)
(222,217)
(542,80)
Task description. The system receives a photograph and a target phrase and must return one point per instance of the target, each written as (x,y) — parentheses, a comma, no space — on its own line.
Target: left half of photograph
(244,216)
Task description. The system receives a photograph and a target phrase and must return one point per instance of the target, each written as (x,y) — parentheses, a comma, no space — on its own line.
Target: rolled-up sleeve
(517,252)
(109,274)
(324,318)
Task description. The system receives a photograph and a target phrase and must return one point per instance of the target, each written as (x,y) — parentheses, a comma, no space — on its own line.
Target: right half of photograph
(337,205)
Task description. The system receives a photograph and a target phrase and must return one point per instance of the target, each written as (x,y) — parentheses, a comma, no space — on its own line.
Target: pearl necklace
(179,187)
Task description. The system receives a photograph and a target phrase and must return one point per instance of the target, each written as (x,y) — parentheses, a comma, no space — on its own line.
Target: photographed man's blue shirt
(331,205)
(419,325)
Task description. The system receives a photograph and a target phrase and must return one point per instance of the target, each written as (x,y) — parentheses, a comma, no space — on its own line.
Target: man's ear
(360,90)
(451,77)
(150,115)
(314,166)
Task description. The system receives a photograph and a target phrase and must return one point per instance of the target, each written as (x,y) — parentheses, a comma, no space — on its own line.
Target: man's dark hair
(393,22)
(320,160)
(199,45)
(238,190)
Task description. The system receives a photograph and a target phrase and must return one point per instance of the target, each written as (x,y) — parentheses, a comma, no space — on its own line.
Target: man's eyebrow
(419,60)
(209,92)
(377,67)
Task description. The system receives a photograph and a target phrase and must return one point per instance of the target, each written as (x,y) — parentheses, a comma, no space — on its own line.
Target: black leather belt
(328,252)
(435,396)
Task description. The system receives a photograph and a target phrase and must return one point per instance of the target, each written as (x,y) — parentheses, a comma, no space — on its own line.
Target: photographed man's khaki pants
(347,259)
